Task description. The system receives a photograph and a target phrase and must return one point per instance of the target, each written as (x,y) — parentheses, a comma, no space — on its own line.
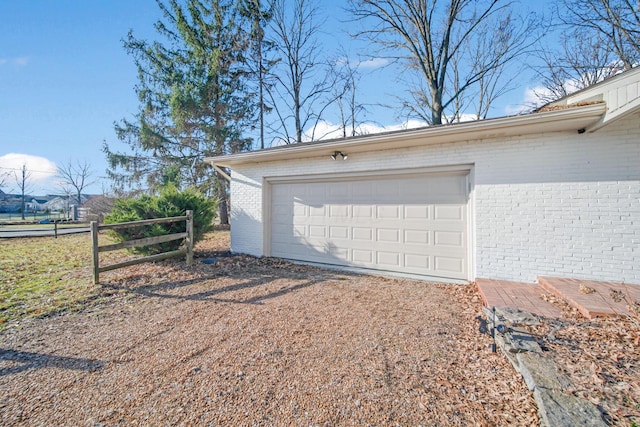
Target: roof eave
(570,119)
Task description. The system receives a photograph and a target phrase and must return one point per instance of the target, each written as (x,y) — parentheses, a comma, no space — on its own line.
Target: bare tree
(581,61)
(67,193)
(344,92)
(599,38)
(300,80)
(432,40)
(75,176)
(23,177)
(615,22)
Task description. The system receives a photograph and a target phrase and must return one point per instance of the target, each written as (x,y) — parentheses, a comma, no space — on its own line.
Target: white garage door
(402,223)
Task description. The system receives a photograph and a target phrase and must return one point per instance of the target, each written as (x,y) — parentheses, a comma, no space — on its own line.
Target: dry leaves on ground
(602,359)
(246,341)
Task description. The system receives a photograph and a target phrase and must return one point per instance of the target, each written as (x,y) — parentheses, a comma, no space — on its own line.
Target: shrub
(169,203)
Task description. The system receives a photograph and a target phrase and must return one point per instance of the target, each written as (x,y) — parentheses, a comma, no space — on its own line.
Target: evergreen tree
(258,17)
(193,99)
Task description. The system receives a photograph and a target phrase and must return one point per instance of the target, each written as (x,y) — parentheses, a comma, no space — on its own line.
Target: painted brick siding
(246,214)
(580,230)
(554,204)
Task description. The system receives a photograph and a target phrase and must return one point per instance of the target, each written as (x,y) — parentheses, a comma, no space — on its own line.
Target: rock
(559,409)
(539,373)
(520,341)
(555,406)
(516,317)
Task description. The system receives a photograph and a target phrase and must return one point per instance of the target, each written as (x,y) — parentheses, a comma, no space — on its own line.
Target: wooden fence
(187,235)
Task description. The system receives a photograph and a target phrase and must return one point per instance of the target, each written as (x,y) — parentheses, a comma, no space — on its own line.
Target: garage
(414,223)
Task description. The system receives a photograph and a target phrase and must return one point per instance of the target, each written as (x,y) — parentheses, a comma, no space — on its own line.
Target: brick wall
(556,204)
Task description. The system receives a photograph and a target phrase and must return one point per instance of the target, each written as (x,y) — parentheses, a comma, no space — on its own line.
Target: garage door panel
(453,265)
(416,236)
(449,238)
(391,259)
(362,256)
(361,233)
(412,224)
(281,231)
(417,212)
(444,212)
(388,212)
(316,231)
(317,211)
(359,211)
(341,211)
(339,232)
(299,210)
(417,261)
(388,235)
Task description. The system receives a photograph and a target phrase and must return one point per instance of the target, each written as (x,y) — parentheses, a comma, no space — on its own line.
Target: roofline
(593,89)
(570,119)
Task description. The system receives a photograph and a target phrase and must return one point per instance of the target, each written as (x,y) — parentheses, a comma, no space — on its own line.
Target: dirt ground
(245,341)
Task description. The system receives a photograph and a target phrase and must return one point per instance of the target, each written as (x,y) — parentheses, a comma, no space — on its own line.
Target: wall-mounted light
(337,154)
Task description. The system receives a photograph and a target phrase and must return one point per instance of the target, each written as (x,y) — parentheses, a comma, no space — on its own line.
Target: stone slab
(539,373)
(560,409)
(521,341)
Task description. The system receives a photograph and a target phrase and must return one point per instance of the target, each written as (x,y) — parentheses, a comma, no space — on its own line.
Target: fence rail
(97,249)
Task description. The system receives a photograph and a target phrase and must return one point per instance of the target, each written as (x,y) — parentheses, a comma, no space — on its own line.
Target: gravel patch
(246,341)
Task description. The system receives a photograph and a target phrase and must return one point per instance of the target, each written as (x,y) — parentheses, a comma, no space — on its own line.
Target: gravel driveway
(245,341)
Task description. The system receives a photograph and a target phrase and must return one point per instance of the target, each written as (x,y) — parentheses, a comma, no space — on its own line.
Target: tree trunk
(223,211)
(223,206)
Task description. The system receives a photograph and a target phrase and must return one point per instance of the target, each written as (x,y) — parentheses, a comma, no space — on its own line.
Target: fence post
(189,240)
(94,249)
(55,229)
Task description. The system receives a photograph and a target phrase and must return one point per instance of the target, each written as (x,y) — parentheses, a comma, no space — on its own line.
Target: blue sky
(65,79)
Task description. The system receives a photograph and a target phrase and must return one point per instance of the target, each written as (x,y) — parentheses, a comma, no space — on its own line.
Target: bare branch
(23,178)
(299,72)
(434,40)
(75,176)
(615,22)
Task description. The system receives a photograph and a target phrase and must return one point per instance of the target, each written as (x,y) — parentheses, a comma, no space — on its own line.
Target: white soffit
(569,119)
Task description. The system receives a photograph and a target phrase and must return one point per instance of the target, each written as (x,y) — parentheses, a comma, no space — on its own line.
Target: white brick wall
(556,204)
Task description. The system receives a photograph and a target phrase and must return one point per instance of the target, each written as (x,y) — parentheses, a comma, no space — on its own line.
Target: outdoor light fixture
(337,154)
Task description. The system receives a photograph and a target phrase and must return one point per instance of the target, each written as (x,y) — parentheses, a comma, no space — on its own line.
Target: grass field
(43,275)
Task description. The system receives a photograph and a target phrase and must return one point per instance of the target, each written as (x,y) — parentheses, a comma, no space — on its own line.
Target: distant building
(12,203)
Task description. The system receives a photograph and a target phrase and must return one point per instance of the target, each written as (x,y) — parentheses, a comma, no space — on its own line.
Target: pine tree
(193,99)
(258,17)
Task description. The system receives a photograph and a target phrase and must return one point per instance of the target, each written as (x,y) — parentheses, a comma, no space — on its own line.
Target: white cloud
(19,61)
(370,128)
(328,130)
(373,63)
(43,171)
(22,61)
(530,100)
